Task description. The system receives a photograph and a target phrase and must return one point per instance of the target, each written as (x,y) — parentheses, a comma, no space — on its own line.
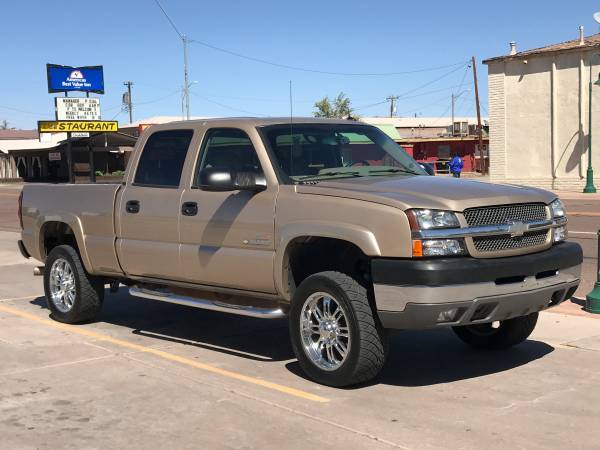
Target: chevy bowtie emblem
(517,228)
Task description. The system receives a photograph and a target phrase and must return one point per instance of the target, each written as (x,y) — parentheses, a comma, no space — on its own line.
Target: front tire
(72,295)
(507,334)
(334,333)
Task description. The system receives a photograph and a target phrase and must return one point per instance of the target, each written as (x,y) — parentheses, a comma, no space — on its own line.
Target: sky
(369,50)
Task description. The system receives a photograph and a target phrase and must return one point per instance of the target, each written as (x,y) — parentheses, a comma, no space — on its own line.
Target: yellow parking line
(165,355)
(584,213)
(14,299)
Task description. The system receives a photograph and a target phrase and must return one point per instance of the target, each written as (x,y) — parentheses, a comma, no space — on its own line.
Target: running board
(249,311)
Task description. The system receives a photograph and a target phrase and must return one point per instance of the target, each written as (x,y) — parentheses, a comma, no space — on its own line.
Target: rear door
(148,214)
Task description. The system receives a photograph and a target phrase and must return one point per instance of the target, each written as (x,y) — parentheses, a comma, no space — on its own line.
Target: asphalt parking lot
(156,375)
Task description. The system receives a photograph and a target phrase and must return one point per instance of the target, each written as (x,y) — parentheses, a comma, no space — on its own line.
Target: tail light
(20,210)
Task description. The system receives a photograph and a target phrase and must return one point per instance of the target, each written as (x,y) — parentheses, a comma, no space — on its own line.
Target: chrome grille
(500,243)
(499,215)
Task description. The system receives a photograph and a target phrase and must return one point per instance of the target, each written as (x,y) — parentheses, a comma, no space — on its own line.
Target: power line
(21,111)
(222,105)
(323,72)
(369,106)
(429,83)
(436,102)
(169,19)
(157,99)
(297,68)
(418,88)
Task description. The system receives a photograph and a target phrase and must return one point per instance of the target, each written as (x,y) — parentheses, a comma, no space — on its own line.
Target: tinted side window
(229,149)
(162,158)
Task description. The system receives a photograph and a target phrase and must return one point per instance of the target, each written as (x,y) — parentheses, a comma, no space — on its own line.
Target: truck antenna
(291,131)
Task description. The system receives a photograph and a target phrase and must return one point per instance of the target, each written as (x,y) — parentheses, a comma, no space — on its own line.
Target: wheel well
(308,255)
(54,234)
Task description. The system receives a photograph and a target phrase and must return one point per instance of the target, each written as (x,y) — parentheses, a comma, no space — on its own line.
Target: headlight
(438,247)
(558,209)
(559,234)
(426,219)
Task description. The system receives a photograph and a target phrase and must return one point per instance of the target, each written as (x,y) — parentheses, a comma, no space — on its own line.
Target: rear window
(162,159)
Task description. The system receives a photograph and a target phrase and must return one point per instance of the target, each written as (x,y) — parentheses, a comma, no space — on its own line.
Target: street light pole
(592,301)
(454,98)
(589,183)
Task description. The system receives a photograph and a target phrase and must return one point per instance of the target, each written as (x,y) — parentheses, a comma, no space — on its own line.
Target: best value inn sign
(67,78)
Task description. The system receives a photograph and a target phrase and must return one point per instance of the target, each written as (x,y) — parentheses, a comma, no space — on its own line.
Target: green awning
(390,130)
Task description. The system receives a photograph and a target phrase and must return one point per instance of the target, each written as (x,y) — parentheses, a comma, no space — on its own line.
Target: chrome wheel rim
(325,331)
(62,285)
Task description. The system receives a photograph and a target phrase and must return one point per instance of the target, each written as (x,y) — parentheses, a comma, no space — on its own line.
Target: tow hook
(114,286)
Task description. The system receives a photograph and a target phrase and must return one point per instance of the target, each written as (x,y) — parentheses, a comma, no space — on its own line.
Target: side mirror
(214,179)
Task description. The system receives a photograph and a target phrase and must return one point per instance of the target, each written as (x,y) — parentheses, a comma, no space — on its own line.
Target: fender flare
(75,224)
(354,234)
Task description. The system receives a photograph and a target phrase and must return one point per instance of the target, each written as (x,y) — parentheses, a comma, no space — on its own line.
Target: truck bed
(87,208)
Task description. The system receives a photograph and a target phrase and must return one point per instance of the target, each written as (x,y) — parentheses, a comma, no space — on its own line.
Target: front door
(229,241)
(148,208)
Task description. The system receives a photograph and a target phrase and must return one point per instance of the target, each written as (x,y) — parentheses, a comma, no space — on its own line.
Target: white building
(538,105)
(14,167)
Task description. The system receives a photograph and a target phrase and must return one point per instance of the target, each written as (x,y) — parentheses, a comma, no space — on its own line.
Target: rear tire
(72,295)
(510,333)
(334,332)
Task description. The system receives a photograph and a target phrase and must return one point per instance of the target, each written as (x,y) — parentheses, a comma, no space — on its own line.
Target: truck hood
(407,192)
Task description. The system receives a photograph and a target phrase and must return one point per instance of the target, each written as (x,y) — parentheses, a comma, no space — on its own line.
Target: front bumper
(419,294)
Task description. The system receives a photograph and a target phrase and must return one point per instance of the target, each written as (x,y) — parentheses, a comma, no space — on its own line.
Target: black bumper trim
(448,271)
(23,250)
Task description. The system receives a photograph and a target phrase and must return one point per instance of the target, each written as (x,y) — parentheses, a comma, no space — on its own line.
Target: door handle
(132,206)
(189,208)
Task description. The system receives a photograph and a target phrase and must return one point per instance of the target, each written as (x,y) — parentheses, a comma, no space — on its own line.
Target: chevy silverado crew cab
(328,222)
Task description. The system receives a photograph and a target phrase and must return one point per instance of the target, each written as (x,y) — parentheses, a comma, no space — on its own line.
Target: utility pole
(129,102)
(453,99)
(392,99)
(186,83)
(479,128)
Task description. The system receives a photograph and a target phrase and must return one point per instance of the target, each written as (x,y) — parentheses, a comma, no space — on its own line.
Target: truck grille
(500,215)
(500,243)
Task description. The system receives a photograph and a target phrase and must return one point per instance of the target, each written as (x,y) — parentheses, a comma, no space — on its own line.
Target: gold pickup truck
(328,222)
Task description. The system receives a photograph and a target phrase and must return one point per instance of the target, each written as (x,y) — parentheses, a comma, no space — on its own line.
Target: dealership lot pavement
(154,375)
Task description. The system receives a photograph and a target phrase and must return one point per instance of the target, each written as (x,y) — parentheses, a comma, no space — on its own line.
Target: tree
(340,107)
(4,125)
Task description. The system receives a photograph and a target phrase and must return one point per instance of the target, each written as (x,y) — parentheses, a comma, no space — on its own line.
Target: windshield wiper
(325,175)
(392,170)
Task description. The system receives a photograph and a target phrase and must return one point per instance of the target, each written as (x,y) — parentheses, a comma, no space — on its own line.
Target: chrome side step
(249,311)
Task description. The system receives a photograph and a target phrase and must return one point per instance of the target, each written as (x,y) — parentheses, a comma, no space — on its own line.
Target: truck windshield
(312,152)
